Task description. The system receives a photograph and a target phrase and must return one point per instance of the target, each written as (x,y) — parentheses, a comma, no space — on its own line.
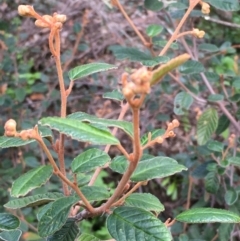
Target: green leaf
(231,196)
(55,216)
(212,76)
(215,146)
(182,102)
(32,201)
(135,55)
(208,215)
(224,231)
(153,5)
(234,160)
(84,117)
(148,169)
(145,201)
(154,134)
(8,221)
(89,160)
(153,30)
(6,142)
(206,125)
(212,182)
(162,70)
(225,5)
(95,193)
(87,237)
(88,69)
(135,224)
(114,95)
(79,131)
(183,237)
(235,98)
(215,98)
(31,180)
(162,43)
(208,47)
(43,210)
(83,179)
(223,124)
(236,83)
(191,67)
(12,235)
(68,232)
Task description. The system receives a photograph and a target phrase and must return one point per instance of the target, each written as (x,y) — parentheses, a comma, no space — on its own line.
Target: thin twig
(233,25)
(64,179)
(184,18)
(63,109)
(145,43)
(120,201)
(186,89)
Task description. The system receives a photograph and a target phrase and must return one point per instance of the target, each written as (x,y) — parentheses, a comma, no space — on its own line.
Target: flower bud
(60,18)
(175,123)
(24,10)
(10,128)
(128,92)
(159,140)
(58,25)
(198,33)
(48,18)
(39,23)
(205,8)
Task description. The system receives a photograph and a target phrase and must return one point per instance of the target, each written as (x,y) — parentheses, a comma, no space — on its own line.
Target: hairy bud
(39,23)
(60,18)
(175,123)
(205,8)
(48,18)
(10,128)
(159,140)
(25,10)
(198,33)
(58,25)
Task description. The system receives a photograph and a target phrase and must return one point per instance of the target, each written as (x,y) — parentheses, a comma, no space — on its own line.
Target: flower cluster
(198,33)
(139,83)
(45,21)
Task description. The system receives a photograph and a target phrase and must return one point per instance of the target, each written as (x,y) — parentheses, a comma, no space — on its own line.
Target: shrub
(212,150)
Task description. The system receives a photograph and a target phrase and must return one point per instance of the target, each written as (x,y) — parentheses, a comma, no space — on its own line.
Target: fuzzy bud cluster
(205,8)
(45,21)
(170,128)
(10,128)
(25,10)
(198,33)
(139,84)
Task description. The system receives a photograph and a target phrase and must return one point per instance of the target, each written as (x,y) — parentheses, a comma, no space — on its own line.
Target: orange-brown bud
(159,140)
(58,25)
(170,126)
(205,8)
(39,23)
(128,91)
(171,134)
(60,18)
(25,10)
(10,128)
(48,18)
(175,123)
(198,33)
